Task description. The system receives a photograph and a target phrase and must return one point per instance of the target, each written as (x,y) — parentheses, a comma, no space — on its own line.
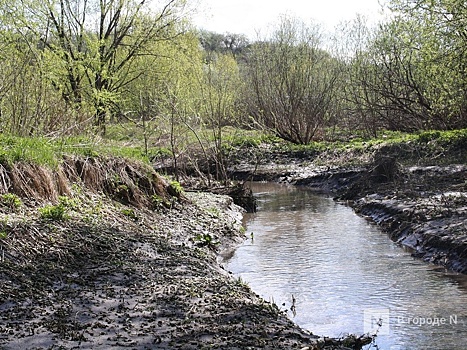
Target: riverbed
(335,272)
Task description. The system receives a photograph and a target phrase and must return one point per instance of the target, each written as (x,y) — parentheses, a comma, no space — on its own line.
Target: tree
(360,104)
(95,43)
(220,105)
(293,81)
(425,47)
(215,43)
(169,95)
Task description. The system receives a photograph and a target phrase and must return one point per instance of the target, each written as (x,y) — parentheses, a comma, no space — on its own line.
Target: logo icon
(376,321)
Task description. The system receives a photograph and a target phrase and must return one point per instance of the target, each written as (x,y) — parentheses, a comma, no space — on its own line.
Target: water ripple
(336,265)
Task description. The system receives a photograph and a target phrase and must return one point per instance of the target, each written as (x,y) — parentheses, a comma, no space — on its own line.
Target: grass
(37,150)
(385,137)
(49,152)
(126,140)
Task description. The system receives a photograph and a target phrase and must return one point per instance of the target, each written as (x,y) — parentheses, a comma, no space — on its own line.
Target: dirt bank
(426,211)
(93,271)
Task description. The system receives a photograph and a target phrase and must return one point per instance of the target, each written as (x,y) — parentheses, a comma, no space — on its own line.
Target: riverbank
(415,191)
(96,267)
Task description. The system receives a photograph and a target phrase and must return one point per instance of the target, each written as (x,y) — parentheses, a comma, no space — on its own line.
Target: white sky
(250,16)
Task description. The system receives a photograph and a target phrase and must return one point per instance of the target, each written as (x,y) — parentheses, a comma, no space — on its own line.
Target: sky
(252,16)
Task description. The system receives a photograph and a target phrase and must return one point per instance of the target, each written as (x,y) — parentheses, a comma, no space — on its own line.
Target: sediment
(431,220)
(111,272)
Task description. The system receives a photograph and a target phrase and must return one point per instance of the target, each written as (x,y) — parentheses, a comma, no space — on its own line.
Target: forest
(74,67)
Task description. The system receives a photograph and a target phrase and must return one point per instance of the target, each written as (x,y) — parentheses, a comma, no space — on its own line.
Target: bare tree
(293,80)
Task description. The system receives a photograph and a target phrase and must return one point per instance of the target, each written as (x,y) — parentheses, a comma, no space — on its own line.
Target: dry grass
(127,181)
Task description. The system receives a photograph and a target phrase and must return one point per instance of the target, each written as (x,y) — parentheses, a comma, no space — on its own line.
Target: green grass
(37,150)
(126,140)
(49,152)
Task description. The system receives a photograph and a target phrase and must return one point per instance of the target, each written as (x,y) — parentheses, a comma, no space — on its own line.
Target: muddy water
(345,275)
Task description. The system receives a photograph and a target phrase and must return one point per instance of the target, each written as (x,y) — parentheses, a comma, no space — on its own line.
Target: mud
(111,276)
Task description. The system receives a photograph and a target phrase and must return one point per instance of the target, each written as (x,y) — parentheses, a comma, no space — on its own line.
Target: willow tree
(293,80)
(94,43)
(421,60)
(164,102)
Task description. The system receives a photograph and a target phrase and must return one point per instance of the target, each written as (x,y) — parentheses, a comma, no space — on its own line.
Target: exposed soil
(109,274)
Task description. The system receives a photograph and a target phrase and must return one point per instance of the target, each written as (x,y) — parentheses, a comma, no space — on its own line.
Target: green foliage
(92,214)
(234,137)
(159,202)
(59,211)
(11,201)
(215,43)
(36,150)
(214,212)
(78,71)
(159,152)
(49,152)
(190,88)
(53,212)
(4,228)
(121,189)
(69,203)
(130,213)
(175,189)
(206,240)
(428,136)
(454,136)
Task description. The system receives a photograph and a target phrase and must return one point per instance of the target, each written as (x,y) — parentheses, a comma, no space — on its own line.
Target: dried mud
(111,276)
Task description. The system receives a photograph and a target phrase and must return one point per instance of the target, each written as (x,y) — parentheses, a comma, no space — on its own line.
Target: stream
(335,273)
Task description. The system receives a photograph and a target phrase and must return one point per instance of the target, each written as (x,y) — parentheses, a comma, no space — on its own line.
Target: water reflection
(337,265)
